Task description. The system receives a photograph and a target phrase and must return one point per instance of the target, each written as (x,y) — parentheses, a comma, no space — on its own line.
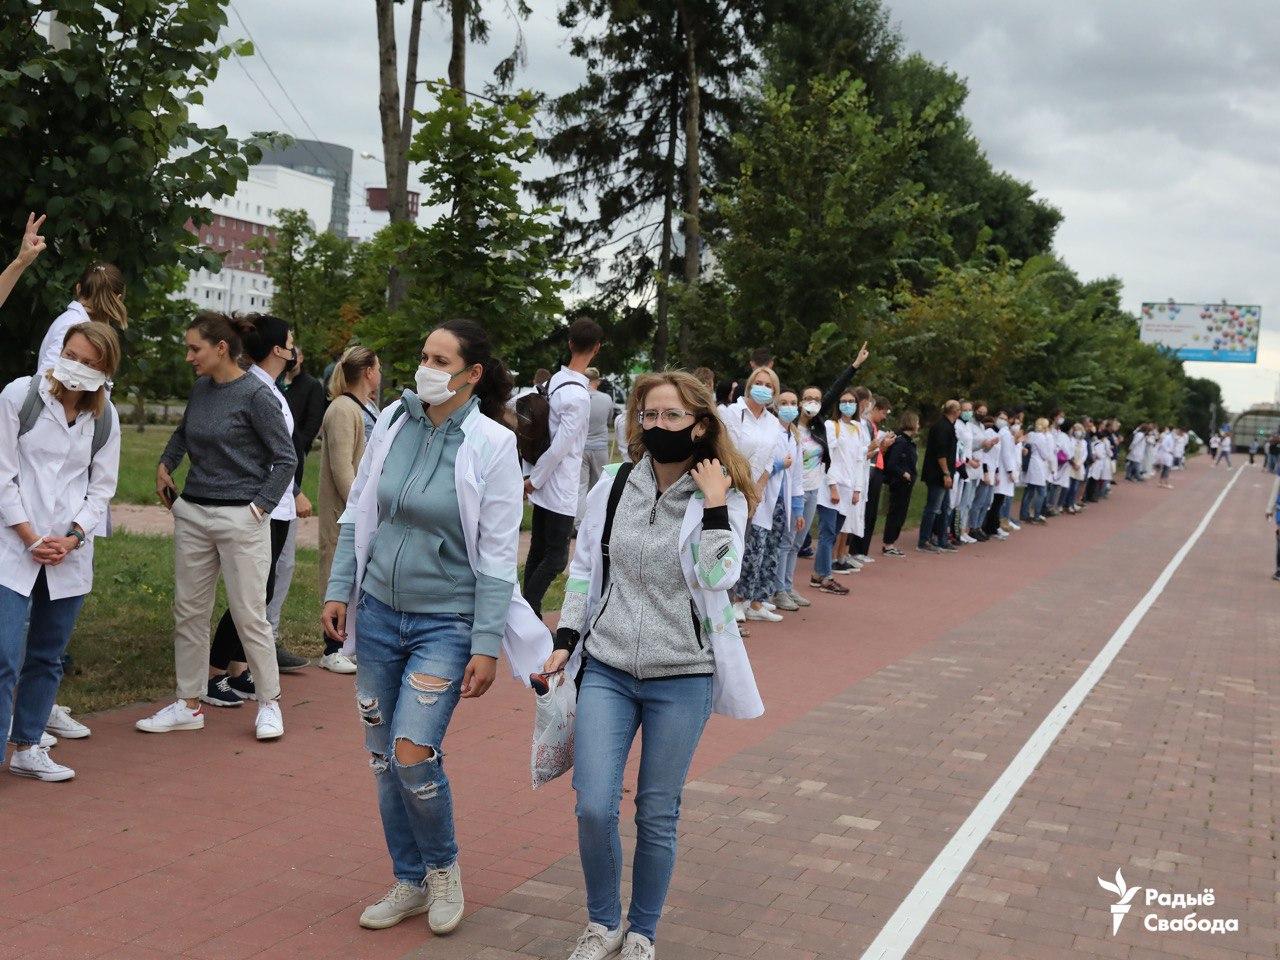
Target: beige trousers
(231,541)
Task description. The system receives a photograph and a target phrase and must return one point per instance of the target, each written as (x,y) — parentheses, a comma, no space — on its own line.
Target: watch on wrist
(75,532)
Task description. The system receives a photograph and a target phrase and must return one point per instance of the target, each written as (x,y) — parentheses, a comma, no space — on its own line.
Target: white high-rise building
(241,285)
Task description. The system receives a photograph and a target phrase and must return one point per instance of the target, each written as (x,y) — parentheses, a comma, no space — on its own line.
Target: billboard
(1227,332)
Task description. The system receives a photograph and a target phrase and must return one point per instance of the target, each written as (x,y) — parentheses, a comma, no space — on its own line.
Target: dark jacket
(940,445)
(900,458)
(305,397)
(818,426)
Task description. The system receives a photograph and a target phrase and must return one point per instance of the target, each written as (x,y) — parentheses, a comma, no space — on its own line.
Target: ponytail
(101,290)
(496,383)
(261,333)
(349,369)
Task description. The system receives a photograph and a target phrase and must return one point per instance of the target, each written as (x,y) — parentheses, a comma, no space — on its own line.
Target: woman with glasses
(652,657)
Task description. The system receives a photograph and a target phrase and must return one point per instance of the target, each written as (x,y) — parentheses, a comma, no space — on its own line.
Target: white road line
(901,930)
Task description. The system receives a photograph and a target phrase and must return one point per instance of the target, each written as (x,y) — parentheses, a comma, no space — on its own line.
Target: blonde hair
(103,339)
(1042,423)
(767,372)
(698,401)
(101,290)
(350,368)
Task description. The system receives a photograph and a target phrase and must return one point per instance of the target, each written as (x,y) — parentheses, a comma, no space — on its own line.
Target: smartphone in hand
(170,496)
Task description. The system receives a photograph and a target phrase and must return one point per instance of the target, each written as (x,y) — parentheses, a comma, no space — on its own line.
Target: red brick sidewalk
(890,714)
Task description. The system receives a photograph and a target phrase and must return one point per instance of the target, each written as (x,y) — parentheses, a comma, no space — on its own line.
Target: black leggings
(899,500)
(991,523)
(227,648)
(548,554)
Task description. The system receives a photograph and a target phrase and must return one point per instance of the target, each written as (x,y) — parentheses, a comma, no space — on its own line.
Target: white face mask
(433,385)
(811,407)
(75,375)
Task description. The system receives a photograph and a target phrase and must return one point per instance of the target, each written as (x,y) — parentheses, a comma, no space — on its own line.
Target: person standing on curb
(938,477)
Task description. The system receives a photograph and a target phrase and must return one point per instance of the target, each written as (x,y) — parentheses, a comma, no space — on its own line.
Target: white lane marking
(901,930)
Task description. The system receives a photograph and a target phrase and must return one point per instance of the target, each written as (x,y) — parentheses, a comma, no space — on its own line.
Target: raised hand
(32,242)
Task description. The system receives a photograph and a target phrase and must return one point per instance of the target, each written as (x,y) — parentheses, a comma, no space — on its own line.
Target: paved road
(891,715)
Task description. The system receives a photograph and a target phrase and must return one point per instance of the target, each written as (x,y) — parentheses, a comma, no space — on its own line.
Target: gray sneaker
(288,660)
(597,943)
(402,900)
(444,891)
(636,947)
(798,600)
(782,600)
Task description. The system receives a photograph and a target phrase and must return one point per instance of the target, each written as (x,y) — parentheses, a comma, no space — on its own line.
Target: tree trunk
(661,332)
(692,171)
(397,128)
(458,50)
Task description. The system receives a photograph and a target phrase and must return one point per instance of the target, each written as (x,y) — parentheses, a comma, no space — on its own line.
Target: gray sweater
(239,446)
(646,623)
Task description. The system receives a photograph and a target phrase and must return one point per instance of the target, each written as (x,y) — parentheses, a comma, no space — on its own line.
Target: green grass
(123,643)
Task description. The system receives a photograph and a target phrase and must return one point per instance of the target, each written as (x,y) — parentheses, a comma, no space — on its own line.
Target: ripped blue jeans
(408,683)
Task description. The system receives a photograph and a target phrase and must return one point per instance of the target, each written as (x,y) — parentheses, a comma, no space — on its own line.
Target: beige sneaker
(597,943)
(444,892)
(401,901)
(637,947)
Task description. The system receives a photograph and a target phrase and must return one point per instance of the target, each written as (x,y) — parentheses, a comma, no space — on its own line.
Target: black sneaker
(892,552)
(242,686)
(928,547)
(806,553)
(948,548)
(220,693)
(979,535)
(287,660)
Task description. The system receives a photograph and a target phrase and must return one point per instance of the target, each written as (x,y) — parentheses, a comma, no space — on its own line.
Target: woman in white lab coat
(59,459)
(761,439)
(1164,456)
(1040,464)
(427,621)
(1060,466)
(99,296)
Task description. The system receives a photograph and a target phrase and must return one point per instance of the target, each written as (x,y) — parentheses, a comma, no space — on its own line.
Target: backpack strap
(400,411)
(102,429)
(615,494)
(32,404)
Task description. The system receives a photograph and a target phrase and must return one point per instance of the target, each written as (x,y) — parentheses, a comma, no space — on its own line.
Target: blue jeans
(34,633)
(1032,502)
(982,501)
(937,514)
(791,545)
(829,521)
(671,713)
(408,684)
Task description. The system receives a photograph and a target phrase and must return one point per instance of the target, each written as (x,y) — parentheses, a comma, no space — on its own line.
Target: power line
(263,57)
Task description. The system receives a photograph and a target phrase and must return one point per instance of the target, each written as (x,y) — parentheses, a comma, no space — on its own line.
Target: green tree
(487,255)
(818,221)
(315,281)
(98,134)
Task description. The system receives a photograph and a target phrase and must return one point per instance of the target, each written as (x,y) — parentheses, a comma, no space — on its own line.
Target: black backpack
(533,421)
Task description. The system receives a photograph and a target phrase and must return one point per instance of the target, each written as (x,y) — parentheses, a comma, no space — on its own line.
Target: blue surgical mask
(787,414)
(966,415)
(849,409)
(762,395)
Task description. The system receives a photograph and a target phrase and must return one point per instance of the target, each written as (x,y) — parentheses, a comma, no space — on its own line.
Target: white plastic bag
(552,752)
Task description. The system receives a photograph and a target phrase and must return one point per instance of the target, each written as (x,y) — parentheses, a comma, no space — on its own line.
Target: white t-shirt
(51,345)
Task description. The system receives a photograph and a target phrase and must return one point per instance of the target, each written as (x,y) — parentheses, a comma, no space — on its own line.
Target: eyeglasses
(668,418)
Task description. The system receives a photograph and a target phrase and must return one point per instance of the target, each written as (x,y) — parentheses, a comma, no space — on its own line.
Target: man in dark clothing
(900,478)
(939,461)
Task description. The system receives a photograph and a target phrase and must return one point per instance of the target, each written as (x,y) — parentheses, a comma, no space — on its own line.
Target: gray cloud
(1153,126)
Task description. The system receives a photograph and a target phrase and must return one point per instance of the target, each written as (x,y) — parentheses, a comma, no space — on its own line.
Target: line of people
(421,504)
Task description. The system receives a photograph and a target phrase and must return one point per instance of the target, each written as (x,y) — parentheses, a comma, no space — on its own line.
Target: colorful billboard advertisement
(1226,332)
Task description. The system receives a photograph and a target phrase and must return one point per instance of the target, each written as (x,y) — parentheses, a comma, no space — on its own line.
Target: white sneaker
(763,614)
(337,663)
(597,943)
(1001,535)
(61,724)
(270,725)
(863,558)
(769,605)
(798,600)
(176,716)
(965,538)
(35,762)
(740,612)
(401,901)
(444,892)
(1014,525)
(636,947)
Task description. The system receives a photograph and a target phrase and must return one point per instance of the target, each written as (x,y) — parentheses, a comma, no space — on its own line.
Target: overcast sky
(1154,127)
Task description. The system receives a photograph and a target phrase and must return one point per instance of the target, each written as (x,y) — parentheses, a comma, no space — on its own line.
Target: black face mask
(292,365)
(669,446)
